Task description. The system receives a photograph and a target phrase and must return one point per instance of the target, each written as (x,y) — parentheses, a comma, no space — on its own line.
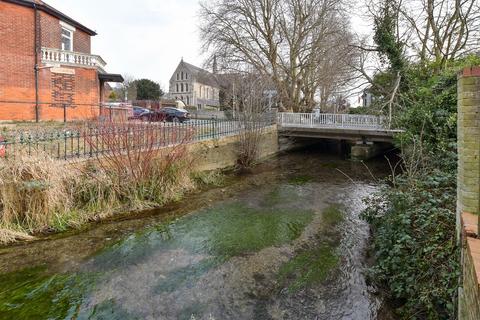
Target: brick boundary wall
(468,191)
(469,302)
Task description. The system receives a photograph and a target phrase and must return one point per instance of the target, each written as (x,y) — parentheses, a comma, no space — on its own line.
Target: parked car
(174,114)
(139,113)
(152,116)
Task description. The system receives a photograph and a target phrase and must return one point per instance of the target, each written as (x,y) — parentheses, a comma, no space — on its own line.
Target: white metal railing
(329,120)
(50,55)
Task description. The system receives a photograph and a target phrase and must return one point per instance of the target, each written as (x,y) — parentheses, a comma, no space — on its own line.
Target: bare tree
(441,30)
(285,40)
(251,111)
(434,30)
(127,90)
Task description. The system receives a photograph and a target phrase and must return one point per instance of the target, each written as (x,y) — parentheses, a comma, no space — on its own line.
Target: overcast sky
(143,38)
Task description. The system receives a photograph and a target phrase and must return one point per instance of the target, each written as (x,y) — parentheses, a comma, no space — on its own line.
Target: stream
(285,242)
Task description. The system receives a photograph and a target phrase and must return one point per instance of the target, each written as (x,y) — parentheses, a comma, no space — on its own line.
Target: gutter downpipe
(37,113)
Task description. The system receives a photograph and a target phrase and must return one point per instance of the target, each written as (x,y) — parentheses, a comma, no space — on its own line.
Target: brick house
(47,69)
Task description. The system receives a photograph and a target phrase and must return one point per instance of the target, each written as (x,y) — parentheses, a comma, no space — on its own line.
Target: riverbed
(284,242)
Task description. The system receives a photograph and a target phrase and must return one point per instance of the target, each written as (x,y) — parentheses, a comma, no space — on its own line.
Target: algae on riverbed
(33,294)
(313,265)
(300,180)
(224,231)
(308,267)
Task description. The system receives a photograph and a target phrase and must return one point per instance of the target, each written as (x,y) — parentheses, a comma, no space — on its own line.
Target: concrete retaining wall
(222,153)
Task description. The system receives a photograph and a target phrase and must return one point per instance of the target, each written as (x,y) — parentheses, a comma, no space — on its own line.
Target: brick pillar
(468,195)
(468,184)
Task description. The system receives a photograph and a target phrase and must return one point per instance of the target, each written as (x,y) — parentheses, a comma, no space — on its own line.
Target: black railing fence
(90,139)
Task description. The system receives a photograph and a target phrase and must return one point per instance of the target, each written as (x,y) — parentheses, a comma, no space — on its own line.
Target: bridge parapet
(335,121)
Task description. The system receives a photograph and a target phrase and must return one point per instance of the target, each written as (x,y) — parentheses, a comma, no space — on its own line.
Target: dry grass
(10,236)
(38,193)
(33,190)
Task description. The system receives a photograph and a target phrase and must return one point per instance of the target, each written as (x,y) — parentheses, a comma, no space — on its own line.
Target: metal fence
(327,120)
(91,139)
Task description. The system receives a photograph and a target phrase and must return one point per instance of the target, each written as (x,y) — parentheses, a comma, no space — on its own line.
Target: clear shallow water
(283,243)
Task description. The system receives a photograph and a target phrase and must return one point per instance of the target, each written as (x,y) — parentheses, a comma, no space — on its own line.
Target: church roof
(201,75)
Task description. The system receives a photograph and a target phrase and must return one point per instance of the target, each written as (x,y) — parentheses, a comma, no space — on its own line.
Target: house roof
(201,75)
(42,6)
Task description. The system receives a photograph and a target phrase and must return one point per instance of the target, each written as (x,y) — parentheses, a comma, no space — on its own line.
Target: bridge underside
(354,135)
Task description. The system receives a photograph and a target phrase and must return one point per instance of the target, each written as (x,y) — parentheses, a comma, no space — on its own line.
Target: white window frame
(68,28)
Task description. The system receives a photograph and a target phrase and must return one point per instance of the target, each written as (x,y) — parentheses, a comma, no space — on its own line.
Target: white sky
(142,38)
(147,38)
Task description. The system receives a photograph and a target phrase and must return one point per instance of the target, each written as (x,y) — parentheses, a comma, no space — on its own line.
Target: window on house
(186,87)
(181,87)
(182,75)
(177,85)
(67,40)
(188,101)
(178,77)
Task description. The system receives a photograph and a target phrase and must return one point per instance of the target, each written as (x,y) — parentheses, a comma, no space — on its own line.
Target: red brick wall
(51,35)
(17,76)
(79,91)
(16,60)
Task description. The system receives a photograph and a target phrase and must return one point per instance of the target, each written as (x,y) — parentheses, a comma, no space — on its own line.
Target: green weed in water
(308,268)
(312,266)
(333,215)
(219,233)
(110,310)
(300,180)
(236,229)
(32,294)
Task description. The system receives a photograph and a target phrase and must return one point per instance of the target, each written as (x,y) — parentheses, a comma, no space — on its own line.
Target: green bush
(415,246)
(413,218)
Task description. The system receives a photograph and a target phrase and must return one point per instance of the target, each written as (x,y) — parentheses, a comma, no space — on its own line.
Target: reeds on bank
(40,194)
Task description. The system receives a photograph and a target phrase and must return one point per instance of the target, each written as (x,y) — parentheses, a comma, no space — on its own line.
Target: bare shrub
(250,108)
(133,166)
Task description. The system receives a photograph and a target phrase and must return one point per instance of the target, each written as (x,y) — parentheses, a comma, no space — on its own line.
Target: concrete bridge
(369,135)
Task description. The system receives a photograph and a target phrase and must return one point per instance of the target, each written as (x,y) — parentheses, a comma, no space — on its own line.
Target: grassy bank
(40,195)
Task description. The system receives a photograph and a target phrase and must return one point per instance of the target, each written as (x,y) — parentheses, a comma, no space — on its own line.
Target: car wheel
(176,120)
